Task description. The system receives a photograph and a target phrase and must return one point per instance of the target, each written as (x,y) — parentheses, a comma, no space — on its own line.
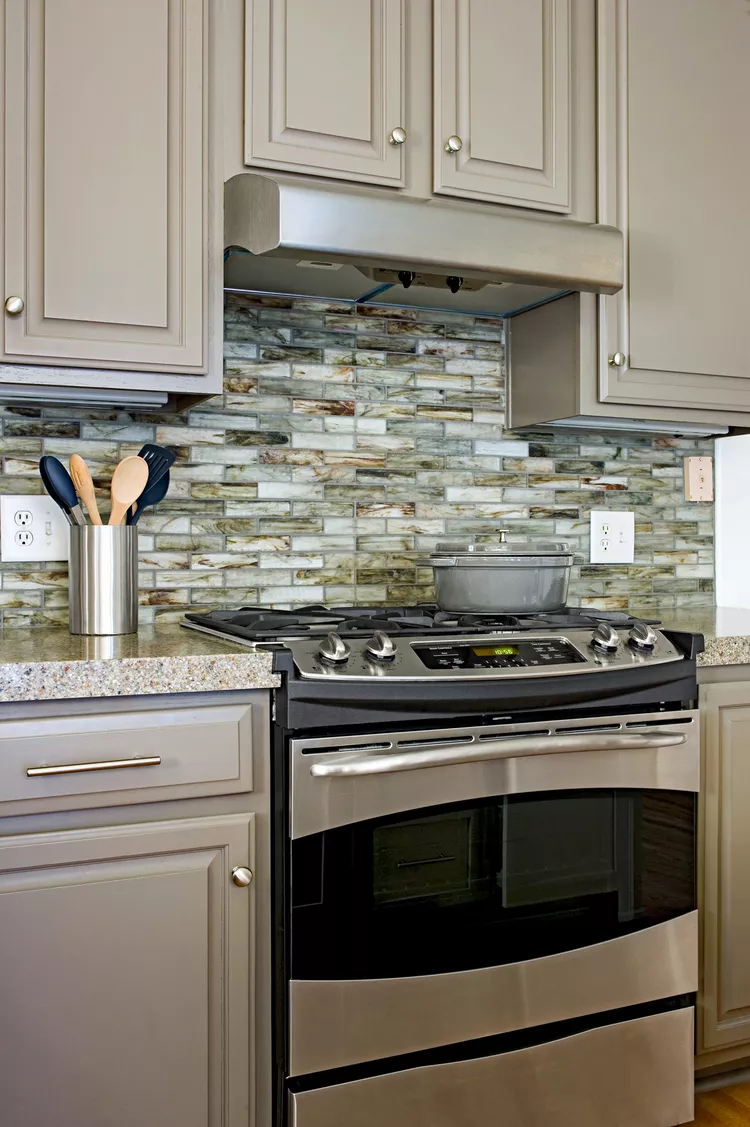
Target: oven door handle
(386,763)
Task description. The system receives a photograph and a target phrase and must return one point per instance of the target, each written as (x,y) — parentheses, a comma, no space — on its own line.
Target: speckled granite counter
(726,630)
(54,665)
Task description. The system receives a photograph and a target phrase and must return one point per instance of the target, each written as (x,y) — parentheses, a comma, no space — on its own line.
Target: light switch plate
(32,528)
(699,479)
(612,536)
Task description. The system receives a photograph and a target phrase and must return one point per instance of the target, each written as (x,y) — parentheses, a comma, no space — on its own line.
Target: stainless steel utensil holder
(103,578)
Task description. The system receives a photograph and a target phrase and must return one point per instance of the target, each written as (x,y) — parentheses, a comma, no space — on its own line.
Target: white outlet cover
(612,536)
(47,525)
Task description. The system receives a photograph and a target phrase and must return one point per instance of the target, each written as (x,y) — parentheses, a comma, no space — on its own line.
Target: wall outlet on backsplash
(699,479)
(612,537)
(33,529)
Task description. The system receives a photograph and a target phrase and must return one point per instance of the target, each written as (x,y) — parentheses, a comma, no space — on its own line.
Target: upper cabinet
(503,101)
(674,176)
(108,223)
(484,99)
(325,87)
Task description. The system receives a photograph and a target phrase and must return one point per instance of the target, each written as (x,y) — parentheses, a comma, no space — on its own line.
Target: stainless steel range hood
(308,237)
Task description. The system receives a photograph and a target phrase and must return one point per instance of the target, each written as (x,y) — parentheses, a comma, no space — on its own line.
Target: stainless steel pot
(504,578)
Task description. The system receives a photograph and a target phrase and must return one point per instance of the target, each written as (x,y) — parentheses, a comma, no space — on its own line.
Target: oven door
(460,884)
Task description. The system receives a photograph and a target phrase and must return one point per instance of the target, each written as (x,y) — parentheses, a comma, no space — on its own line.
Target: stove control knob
(334,649)
(642,637)
(605,637)
(381,647)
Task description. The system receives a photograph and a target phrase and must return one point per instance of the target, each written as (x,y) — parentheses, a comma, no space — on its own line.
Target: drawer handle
(102,765)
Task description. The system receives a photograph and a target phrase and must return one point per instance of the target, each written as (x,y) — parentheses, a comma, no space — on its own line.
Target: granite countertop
(55,665)
(726,630)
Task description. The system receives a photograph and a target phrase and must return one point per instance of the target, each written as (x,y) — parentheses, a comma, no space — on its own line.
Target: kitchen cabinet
(674,87)
(325,88)
(724,1004)
(673,344)
(111,212)
(126,978)
(502,110)
(373,90)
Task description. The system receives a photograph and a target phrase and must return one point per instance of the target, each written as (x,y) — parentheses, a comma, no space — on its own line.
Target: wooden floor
(724,1107)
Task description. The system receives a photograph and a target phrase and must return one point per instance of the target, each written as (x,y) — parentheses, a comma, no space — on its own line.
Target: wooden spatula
(128,482)
(81,475)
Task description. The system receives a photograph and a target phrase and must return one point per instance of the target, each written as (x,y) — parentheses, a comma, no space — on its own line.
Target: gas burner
(266,625)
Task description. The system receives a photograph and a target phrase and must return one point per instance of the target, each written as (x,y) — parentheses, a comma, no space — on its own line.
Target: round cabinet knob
(397,136)
(642,637)
(381,647)
(14,306)
(605,637)
(453,144)
(618,360)
(334,649)
(242,876)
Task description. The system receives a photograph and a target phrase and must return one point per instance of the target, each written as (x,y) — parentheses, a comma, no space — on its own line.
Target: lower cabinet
(126,989)
(724,1005)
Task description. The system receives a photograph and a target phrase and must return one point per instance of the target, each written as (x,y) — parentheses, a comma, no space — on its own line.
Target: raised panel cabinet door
(502,127)
(106,202)
(125,982)
(724,1002)
(324,88)
(674,99)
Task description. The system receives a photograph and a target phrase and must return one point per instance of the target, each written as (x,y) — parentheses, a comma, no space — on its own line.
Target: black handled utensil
(151,495)
(59,484)
(158,459)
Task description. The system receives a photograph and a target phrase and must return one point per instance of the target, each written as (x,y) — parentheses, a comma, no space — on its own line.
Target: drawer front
(633,1074)
(58,763)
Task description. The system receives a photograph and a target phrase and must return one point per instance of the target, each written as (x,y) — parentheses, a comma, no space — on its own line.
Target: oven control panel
(550,653)
(498,654)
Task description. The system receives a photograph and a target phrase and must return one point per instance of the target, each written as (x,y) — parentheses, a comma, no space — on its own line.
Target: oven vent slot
(659,723)
(452,740)
(495,736)
(583,729)
(349,748)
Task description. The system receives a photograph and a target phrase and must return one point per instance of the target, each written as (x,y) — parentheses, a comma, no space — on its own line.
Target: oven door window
(500,881)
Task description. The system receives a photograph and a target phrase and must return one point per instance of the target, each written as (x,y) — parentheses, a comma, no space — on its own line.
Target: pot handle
(438,561)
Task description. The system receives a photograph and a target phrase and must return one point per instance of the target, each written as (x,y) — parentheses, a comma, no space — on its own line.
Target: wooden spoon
(128,482)
(81,475)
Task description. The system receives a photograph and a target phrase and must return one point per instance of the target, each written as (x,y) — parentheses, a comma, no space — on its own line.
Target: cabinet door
(324,87)
(125,981)
(674,89)
(503,89)
(105,182)
(724,1006)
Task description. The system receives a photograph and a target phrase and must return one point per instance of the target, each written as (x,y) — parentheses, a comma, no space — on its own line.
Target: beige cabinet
(724,1005)
(374,90)
(503,79)
(109,219)
(325,87)
(126,978)
(674,89)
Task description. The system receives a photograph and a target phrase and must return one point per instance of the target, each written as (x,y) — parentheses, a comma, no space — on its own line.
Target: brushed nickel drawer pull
(102,765)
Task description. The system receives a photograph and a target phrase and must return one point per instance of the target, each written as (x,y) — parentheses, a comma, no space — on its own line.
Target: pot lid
(501,548)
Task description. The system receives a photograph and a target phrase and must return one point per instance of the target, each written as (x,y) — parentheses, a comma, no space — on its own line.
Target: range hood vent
(308,222)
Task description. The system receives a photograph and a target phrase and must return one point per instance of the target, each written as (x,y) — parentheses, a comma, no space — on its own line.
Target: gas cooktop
(254,625)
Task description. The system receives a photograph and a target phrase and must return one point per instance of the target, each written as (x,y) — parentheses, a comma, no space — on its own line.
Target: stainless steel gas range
(484,868)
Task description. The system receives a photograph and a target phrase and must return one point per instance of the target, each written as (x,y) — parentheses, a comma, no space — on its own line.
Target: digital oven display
(495,651)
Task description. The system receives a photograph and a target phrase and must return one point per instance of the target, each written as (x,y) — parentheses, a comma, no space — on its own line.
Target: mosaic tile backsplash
(347,442)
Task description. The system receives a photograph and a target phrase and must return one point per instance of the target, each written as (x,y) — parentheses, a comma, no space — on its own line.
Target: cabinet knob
(619,360)
(397,136)
(242,876)
(453,144)
(14,306)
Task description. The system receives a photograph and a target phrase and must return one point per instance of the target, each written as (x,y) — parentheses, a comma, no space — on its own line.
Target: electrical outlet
(32,529)
(612,537)
(699,479)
